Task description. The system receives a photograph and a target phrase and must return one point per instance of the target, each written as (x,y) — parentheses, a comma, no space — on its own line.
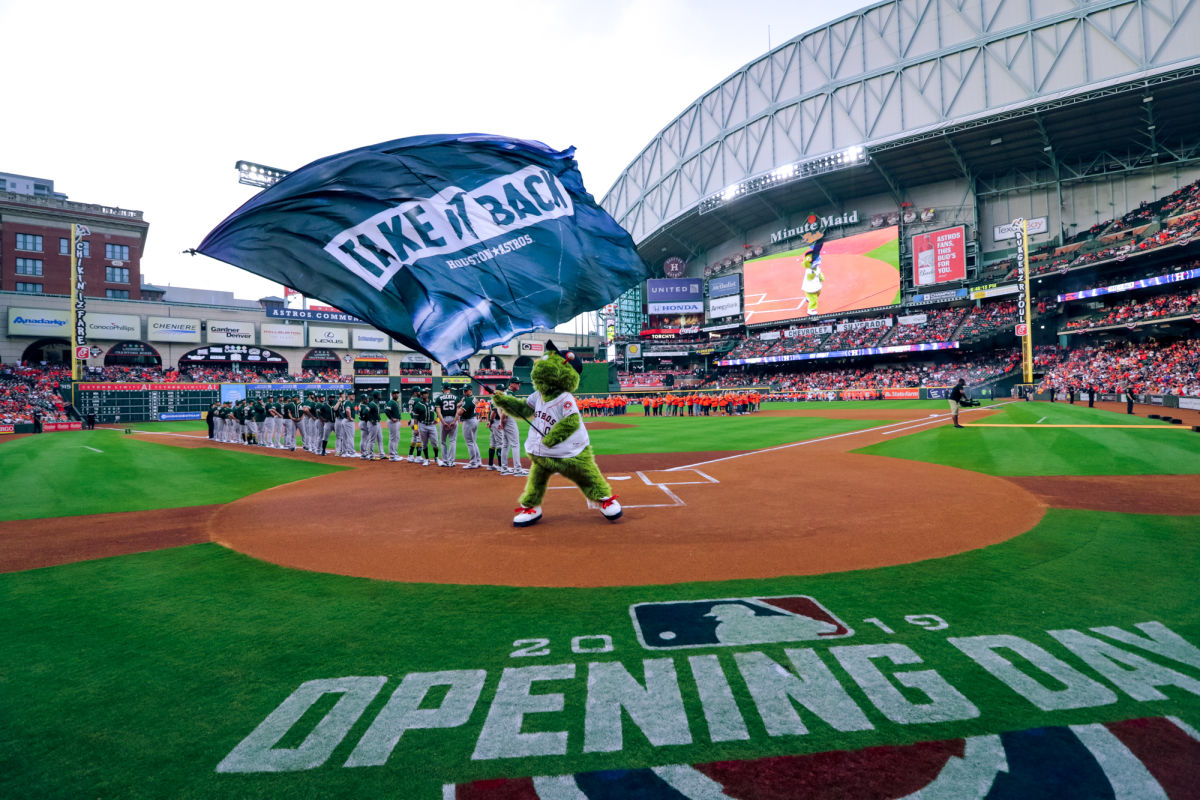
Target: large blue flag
(451,244)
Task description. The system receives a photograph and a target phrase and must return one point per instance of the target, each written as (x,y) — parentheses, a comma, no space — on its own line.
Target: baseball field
(834,600)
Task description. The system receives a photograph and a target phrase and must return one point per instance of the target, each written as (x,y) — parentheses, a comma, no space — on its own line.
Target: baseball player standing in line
(257,420)
(447,405)
(415,443)
(495,423)
(291,415)
(364,426)
(470,427)
(511,443)
(376,421)
(392,410)
(326,415)
(339,426)
(425,416)
(269,422)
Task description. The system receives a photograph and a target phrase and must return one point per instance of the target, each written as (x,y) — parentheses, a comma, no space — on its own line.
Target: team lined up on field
(434,423)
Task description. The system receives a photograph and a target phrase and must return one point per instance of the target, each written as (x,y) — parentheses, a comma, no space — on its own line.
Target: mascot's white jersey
(547,413)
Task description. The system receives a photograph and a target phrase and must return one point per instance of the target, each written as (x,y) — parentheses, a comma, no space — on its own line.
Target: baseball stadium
(917,372)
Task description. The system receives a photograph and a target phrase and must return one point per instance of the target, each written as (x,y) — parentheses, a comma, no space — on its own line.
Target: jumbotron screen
(861,271)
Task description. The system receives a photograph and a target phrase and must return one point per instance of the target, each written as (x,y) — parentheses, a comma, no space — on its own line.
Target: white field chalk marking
(936,418)
(1040,421)
(94,450)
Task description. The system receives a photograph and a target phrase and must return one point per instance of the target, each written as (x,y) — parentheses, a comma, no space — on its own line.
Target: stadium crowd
(1173,304)
(1148,367)
(28,391)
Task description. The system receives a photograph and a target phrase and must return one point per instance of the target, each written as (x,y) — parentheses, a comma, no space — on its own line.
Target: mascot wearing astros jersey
(558,442)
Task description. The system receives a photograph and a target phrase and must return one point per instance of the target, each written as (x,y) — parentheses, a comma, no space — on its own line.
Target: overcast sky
(148,105)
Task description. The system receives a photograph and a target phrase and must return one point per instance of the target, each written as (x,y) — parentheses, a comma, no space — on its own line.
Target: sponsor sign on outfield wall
(725,285)
(665,296)
(38,322)
(282,335)
(226,332)
(113,326)
(729,306)
(324,336)
(369,339)
(1010,231)
(172,329)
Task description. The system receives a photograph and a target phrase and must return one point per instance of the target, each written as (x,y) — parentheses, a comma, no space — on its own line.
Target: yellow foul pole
(1024,312)
(76,316)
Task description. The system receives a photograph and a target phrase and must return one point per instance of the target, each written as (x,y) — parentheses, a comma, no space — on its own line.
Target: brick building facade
(35,255)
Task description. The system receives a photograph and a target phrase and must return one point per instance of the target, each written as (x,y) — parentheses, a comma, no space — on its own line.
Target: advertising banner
(902,394)
(311,315)
(729,306)
(323,336)
(667,296)
(113,326)
(725,285)
(532,347)
(913,319)
(938,297)
(1012,230)
(939,256)
(993,290)
(172,329)
(38,322)
(226,332)
(886,322)
(62,426)
(282,335)
(1160,280)
(369,339)
(795,333)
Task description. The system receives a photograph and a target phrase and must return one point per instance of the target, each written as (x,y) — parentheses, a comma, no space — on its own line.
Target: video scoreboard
(142,402)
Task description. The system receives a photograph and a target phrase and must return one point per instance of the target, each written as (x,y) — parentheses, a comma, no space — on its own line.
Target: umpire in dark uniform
(1129,398)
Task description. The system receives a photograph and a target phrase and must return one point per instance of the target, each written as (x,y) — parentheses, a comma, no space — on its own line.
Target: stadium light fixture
(252,174)
(841,159)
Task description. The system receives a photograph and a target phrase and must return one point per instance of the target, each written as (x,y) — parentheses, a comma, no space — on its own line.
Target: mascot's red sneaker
(611,509)
(527,516)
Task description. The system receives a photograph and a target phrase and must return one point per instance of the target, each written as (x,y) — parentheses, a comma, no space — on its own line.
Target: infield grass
(103,471)
(135,676)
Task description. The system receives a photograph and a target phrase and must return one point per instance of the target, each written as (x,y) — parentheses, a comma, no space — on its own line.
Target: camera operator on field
(958,399)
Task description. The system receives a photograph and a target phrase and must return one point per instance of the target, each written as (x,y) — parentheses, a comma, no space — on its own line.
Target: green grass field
(146,675)
(1159,449)
(103,471)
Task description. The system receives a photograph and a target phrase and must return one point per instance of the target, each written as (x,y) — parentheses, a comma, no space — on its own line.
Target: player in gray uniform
(511,446)
(426,417)
(469,421)
(447,406)
(391,410)
(343,427)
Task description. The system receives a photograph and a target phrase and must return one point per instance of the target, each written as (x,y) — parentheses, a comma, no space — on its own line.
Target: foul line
(94,450)
(1035,425)
(935,418)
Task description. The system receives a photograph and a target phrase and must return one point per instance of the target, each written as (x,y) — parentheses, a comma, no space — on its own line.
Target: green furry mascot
(558,441)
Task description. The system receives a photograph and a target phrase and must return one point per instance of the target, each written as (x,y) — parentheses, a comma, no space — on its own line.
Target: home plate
(648,489)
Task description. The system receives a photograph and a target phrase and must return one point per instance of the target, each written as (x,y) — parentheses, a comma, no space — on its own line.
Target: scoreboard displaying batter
(142,402)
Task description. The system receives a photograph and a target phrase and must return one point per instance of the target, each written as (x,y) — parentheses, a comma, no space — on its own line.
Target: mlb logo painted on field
(734,621)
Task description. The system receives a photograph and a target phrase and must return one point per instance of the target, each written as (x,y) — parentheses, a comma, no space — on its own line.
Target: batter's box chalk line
(703,479)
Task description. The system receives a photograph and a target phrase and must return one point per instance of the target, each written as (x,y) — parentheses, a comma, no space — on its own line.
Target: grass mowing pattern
(1053,451)
(56,475)
(135,676)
